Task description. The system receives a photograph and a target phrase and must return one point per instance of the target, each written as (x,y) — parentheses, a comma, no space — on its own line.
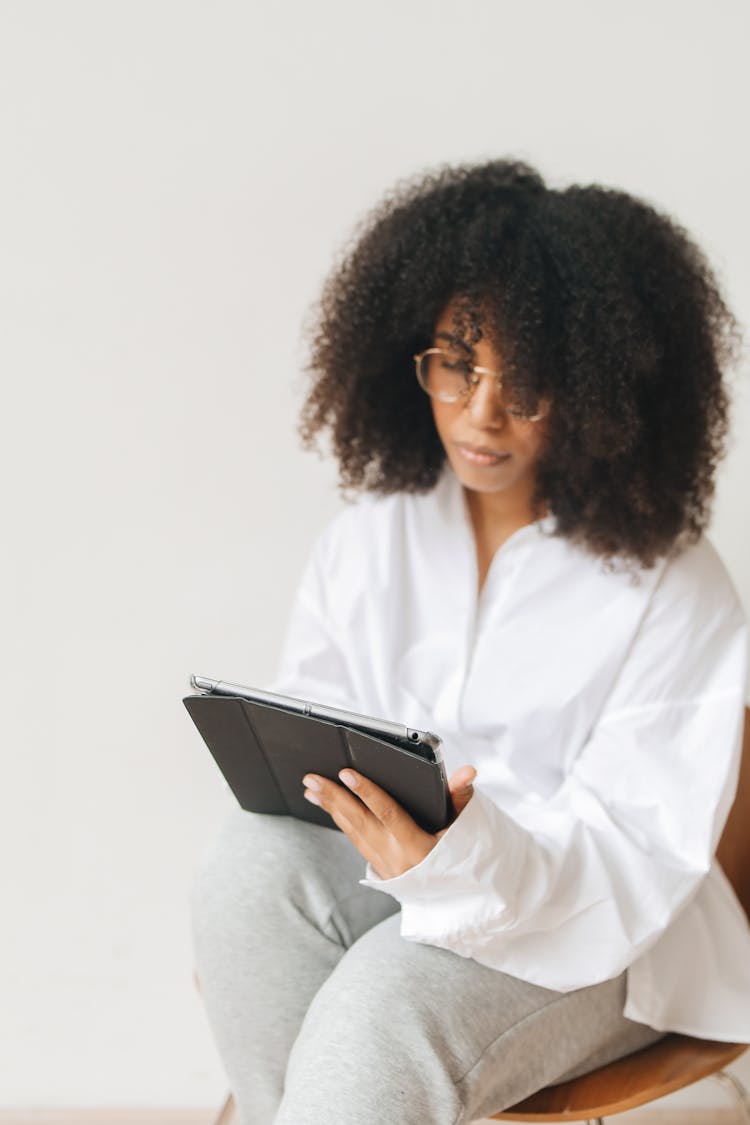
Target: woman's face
(489,450)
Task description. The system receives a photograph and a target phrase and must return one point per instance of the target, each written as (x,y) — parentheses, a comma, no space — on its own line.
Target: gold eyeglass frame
(473,378)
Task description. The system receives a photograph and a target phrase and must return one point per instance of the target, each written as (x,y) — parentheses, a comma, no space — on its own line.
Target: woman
(525,574)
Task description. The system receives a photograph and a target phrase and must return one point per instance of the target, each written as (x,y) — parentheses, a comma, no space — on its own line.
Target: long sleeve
(571,889)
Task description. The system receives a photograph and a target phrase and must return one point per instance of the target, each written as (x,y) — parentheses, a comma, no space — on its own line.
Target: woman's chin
(484,477)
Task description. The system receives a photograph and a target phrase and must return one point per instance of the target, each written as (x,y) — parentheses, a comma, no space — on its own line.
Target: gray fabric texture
(322,1014)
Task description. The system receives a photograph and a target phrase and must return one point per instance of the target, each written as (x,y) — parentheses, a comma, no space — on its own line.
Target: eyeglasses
(450,378)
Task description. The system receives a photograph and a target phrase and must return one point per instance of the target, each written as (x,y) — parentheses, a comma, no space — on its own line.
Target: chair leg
(739,1093)
(226,1113)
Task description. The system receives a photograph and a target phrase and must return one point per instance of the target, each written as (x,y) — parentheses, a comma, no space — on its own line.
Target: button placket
(507,564)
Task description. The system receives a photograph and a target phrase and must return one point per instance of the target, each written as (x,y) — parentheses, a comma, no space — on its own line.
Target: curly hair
(594,299)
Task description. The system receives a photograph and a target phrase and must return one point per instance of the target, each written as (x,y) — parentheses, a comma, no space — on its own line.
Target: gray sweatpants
(323,1014)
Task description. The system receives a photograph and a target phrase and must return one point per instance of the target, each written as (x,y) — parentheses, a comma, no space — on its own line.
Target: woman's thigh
(261,873)
(402,1031)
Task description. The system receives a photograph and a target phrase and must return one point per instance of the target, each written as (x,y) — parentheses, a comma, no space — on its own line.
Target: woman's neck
(494,520)
(496,515)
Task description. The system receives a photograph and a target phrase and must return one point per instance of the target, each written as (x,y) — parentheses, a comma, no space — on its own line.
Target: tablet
(265,743)
(408,738)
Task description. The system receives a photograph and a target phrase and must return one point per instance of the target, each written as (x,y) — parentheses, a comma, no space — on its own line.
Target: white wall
(176,179)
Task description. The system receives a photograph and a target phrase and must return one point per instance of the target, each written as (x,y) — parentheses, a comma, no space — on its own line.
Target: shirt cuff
(457,881)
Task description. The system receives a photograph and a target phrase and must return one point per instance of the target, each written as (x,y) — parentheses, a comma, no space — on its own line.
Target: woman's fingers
(387,810)
(462,778)
(343,807)
(362,808)
(461,787)
(378,826)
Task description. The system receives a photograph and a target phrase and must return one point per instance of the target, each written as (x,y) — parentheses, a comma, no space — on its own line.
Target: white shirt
(603,713)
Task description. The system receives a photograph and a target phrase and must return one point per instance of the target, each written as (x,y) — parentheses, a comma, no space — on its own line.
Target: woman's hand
(381,830)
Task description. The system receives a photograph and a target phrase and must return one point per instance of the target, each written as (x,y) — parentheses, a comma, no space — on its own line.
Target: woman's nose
(485,405)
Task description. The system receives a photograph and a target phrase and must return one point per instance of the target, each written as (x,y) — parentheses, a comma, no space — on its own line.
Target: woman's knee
(257,863)
(250,857)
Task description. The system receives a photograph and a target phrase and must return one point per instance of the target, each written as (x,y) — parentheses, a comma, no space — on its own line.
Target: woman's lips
(481,456)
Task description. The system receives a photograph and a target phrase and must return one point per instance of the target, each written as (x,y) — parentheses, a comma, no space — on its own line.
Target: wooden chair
(675,1061)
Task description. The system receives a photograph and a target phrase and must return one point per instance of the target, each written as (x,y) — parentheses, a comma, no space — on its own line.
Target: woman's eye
(524,413)
(461,366)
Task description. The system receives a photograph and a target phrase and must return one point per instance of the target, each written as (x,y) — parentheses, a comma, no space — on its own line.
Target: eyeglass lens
(449,377)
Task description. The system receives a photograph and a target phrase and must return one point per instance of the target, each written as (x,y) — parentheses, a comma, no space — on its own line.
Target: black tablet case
(264,752)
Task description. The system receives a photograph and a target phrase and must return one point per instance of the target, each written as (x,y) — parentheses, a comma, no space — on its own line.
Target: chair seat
(670,1064)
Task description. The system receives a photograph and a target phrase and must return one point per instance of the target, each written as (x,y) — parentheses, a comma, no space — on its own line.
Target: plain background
(177,180)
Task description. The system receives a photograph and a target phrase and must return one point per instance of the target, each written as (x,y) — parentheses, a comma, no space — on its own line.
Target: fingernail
(311,782)
(311,798)
(349,779)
